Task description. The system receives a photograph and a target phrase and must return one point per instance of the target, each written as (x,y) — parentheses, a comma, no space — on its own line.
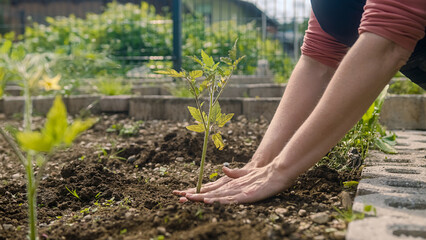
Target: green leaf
(213,175)
(196,74)
(35,141)
(216,113)
(390,139)
(369,114)
(77,127)
(226,60)
(218,141)
(196,128)
(197,60)
(195,113)
(56,122)
(350,184)
(5,48)
(233,52)
(384,147)
(215,66)
(224,119)
(208,61)
(171,73)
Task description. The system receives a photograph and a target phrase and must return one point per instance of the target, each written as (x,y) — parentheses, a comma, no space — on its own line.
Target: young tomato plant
(215,80)
(38,145)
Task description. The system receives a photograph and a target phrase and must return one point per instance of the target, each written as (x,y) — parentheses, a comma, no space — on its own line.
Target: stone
(8,227)
(281,212)
(161,230)
(346,200)
(339,235)
(320,218)
(302,212)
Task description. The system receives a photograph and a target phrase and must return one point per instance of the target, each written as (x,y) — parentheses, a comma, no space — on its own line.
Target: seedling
(349,215)
(56,133)
(216,78)
(73,192)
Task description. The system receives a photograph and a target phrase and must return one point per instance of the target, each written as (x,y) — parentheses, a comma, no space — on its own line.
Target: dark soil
(125,185)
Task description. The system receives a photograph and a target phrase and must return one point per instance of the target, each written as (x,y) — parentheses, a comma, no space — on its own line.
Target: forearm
(305,87)
(363,73)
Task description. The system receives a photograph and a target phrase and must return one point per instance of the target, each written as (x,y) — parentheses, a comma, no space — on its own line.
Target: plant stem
(31,197)
(28,107)
(206,139)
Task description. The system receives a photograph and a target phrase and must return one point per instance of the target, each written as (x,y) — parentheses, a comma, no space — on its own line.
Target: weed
(125,130)
(216,79)
(73,192)
(365,134)
(349,215)
(112,86)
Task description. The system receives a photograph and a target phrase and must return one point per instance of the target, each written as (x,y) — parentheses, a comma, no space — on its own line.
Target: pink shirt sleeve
(320,46)
(401,21)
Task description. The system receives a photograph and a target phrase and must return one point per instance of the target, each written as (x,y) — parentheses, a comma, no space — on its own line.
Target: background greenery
(126,36)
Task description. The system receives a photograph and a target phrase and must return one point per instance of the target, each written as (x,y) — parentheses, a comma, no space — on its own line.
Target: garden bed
(125,184)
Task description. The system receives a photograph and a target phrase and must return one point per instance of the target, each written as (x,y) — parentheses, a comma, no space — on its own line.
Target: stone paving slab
(396,186)
(387,228)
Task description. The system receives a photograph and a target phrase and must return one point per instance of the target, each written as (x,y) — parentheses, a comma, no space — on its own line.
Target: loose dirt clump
(125,189)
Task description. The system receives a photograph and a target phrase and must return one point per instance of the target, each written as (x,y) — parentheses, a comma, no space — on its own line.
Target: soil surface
(125,188)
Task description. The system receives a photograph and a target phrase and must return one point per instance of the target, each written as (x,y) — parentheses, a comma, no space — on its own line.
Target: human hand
(230,174)
(257,184)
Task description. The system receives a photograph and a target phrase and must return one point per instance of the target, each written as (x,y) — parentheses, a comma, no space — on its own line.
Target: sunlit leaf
(171,73)
(350,184)
(195,113)
(196,74)
(196,128)
(233,52)
(5,48)
(216,113)
(56,122)
(208,61)
(369,114)
(35,141)
(224,119)
(77,127)
(218,141)
(197,60)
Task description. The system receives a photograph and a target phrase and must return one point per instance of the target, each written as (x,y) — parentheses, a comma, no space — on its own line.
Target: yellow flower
(50,83)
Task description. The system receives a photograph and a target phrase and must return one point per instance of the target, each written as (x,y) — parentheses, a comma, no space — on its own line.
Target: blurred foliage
(113,42)
(112,86)
(405,87)
(367,133)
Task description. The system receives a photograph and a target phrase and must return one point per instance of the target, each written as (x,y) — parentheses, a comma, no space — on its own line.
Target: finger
(221,192)
(183,200)
(221,200)
(235,173)
(206,188)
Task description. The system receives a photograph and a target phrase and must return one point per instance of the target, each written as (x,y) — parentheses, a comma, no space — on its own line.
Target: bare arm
(305,87)
(363,73)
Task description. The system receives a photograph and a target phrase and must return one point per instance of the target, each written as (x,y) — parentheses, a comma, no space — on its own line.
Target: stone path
(396,186)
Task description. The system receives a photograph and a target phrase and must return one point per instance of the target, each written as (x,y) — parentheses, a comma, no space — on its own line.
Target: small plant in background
(368,132)
(73,192)
(216,79)
(112,86)
(349,215)
(125,130)
(38,145)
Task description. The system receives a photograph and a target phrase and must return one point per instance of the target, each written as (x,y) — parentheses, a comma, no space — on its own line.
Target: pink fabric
(320,46)
(401,21)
